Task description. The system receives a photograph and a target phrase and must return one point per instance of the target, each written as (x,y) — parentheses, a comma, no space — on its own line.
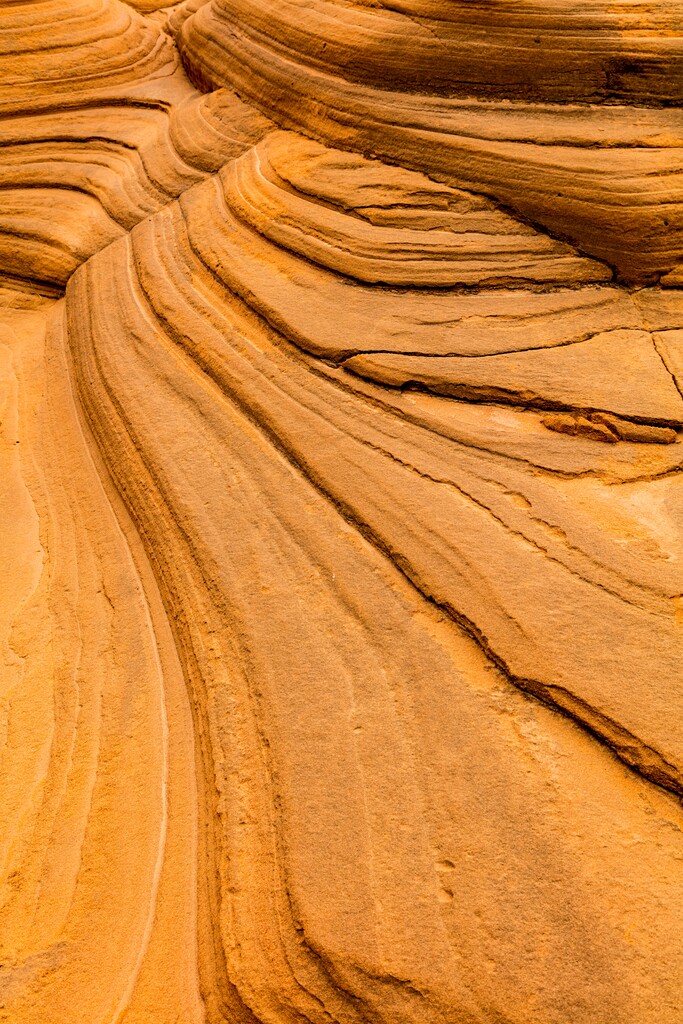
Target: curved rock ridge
(149,6)
(596,51)
(594,593)
(304,301)
(98,813)
(620,372)
(55,52)
(607,178)
(386,225)
(296,520)
(341,591)
(136,134)
(65,194)
(344,221)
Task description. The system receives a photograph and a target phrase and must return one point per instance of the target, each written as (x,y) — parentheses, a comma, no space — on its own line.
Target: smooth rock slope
(341,584)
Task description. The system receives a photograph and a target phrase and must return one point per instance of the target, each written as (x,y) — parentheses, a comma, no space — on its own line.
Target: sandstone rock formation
(341,590)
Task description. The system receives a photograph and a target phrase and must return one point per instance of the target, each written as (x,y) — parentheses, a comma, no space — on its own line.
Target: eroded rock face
(341,603)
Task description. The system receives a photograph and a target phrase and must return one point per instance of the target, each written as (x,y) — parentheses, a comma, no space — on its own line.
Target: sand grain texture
(341,576)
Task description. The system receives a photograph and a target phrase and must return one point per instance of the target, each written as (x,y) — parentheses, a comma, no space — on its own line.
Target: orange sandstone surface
(341,504)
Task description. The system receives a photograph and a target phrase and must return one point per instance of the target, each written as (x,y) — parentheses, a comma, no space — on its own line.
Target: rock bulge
(601,168)
(341,349)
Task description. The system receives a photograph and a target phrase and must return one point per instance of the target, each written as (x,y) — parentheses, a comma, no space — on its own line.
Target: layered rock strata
(99,128)
(342,598)
(602,168)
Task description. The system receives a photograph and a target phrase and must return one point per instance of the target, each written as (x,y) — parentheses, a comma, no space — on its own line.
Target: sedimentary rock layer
(99,127)
(606,177)
(98,812)
(462,497)
(341,604)
(337,704)
(593,52)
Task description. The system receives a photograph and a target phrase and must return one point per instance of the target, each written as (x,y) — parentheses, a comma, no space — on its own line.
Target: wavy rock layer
(98,811)
(134,134)
(599,51)
(605,176)
(375,891)
(341,609)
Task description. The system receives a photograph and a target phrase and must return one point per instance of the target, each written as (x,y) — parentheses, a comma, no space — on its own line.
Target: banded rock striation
(99,128)
(602,169)
(342,598)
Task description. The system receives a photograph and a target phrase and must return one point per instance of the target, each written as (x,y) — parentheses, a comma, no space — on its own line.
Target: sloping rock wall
(341,584)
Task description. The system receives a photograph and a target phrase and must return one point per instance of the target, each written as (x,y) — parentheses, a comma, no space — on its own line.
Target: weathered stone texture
(341,576)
